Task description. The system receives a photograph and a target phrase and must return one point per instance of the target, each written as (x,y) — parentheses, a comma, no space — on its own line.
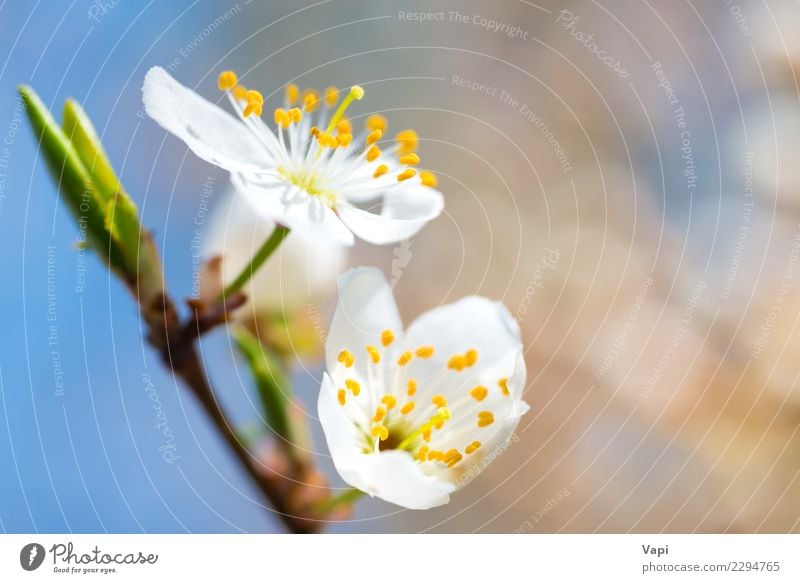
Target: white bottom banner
(395,558)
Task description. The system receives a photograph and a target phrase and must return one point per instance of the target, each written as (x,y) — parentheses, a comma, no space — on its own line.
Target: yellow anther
(387,337)
(408,407)
(344,127)
(406,174)
(295,114)
(424,351)
(227,80)
(326,140)
(374,354)
(428,179)
(422,454)
(354,387)
(472,356)
(314,131)
(407,142)
(357,92)
(439,401)
(380,171)
(252,108)
(342,397)
(409,159)
(479,393)
(503,384)
(374,136)
(310,100)
(412,388)
(346,358)
(380,413)
(435,455)
(280,116)
(380,432)
(444,413)
(390,401)
(292,93)
(331,96)
(485,418)
(239,92)
(472,447)
(373,153)
(376,122)
(253,96)
(457,362)
(452,457)
(426,434)
(344,140)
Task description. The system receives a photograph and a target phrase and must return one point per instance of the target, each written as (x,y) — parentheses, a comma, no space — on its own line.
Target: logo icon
(31,556)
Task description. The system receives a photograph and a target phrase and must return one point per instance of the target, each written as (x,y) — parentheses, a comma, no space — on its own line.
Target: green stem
(267,249)
(345,498)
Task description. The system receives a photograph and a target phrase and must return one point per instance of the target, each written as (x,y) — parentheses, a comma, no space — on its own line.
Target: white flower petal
(340,434)
(405,211)
(212,133)
(288,205)
(366,308)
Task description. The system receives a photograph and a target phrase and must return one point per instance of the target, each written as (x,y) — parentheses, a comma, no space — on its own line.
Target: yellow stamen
(295,114)
(292,93)
(354,387)
(326,140)
(346,358)
(344,127)
(407,142)
(342,397)
(374,354)
(404,358)
(280,116)
(373,153)
(471,356)
(503,384)
(252,108)
(331,96)
(452,457)
(380,171)
(424,351)
(422,454)
(479,393)
(439,401)
(444,413)
(390,401)
(485,418)
(310,100)
(356,93)
(387,337)
(374,136)
(239,92)
(253,96)
(380,413)
(409,160)
(227,80)
(428,179)
(406,174)
(412,387)
(380,432)
(426,435)
(435,455)
(408,407)
(472,447)
(457,362)
(344,140)
(376,122)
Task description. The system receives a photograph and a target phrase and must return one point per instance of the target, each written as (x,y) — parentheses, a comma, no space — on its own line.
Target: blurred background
(621,174)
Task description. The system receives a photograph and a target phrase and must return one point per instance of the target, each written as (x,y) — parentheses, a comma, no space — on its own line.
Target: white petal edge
(406,209)
(210,132)
(288,205)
